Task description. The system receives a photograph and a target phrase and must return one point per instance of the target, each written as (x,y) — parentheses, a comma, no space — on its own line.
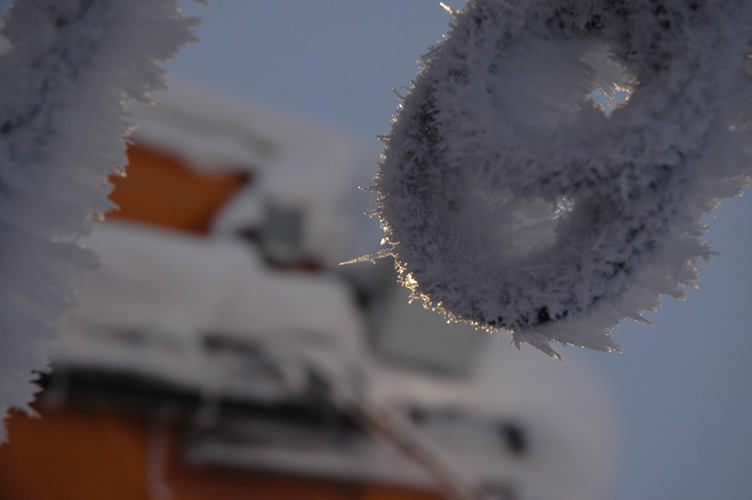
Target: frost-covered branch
(70,67)
(512,202)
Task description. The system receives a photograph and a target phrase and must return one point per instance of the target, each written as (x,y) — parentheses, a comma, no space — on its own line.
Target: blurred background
(221,352)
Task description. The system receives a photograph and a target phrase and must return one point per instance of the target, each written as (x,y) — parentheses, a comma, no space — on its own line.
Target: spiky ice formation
(68,68)
(510,201)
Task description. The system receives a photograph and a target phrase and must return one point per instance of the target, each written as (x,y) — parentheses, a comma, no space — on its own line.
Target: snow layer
(295,165)
(159,296)
(512,202)
(70,66)
(562,410)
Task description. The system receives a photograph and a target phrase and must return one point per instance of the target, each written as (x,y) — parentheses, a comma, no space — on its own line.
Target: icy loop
(67,68)
(511,201)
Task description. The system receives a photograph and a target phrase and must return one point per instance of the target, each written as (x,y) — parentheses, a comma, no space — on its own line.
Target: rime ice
(511,202)
(67,68)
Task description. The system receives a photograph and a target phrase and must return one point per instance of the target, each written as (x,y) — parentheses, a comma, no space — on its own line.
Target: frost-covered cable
(450,481)
(511,202)
(348,395)
(64,80)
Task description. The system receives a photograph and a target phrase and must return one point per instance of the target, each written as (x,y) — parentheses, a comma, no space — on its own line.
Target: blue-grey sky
(681,386)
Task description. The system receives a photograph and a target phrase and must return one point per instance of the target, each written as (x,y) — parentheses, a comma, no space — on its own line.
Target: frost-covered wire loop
(510,200)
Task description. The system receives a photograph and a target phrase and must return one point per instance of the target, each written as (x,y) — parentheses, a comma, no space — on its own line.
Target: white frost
(69,67)
(512,202)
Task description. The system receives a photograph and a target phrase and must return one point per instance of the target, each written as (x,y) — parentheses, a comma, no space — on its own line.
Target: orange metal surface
(160,189)
(73,455)
(94,454)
